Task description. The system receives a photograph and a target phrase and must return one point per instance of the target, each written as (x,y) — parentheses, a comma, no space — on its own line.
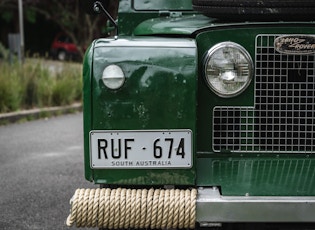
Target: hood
(184,25)
(189,25)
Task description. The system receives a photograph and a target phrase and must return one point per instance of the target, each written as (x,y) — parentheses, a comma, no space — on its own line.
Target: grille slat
(282,119)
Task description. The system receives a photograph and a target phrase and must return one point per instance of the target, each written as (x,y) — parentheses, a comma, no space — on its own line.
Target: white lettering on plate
(140,163)
(122,163)
(153,163)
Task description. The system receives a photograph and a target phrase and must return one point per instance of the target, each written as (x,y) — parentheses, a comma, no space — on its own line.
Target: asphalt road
(41,165)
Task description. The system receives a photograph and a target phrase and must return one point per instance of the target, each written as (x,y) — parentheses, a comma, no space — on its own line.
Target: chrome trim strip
(146,42)
(214,208)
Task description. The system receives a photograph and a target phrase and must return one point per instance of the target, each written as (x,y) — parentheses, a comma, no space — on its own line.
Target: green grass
(36,84)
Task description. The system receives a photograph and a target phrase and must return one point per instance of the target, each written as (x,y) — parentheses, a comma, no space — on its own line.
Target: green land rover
(200,114)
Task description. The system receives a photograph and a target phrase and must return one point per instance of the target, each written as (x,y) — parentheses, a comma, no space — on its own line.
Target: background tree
(69,15)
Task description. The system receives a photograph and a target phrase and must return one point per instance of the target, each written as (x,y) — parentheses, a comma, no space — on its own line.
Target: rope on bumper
(133,208)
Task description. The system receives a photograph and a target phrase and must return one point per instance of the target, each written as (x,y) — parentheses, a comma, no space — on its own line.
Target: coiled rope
(133,208)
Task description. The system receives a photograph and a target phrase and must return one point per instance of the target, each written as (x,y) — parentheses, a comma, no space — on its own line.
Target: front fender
(159,93)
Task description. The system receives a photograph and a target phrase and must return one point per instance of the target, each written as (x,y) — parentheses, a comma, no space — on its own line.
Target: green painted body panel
(165,89)
(134,12)
(129,21)
(159,93)
(185,25)
(258,174)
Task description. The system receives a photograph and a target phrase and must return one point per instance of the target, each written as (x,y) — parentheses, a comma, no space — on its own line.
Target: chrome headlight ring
(228,69)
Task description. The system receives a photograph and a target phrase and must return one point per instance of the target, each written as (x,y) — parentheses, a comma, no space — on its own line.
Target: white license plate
(141,149)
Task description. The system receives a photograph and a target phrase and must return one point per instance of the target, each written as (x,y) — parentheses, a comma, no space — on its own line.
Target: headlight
(113,77)
(228,69)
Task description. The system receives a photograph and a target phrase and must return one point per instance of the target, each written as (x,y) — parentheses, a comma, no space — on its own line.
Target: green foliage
(4,53)
(7,15)
(10,89)
(34,85)
(37,86)
(67,88)
(30,15)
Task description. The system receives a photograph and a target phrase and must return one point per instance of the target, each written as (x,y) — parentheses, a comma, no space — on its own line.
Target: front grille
(283,116)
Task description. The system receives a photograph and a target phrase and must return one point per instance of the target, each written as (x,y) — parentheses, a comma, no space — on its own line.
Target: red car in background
(62,48)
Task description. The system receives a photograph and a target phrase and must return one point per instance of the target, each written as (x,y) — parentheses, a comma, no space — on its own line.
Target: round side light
(113,77)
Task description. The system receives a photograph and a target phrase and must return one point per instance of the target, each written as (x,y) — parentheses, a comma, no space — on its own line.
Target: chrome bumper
(213,208)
